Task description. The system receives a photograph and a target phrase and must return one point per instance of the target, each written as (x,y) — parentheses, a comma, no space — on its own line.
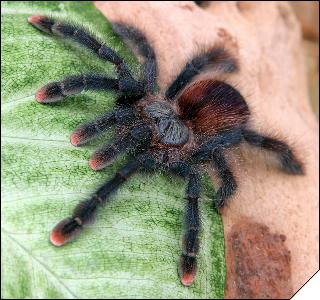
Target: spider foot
(49,93)
(291,165)
(41,22)
(83,134)
(65,231)
(188,269)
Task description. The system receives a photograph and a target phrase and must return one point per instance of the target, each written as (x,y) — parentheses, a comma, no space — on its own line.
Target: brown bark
(276,212)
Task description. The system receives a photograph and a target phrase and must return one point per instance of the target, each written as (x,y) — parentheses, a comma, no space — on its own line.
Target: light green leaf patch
(133,249)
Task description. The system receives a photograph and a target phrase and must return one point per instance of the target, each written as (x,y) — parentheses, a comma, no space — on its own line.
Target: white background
(311,290)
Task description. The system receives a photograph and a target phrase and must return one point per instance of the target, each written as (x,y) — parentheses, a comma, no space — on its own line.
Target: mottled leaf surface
(133,249)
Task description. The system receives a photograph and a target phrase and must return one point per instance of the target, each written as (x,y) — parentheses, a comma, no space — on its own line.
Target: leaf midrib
(40,263)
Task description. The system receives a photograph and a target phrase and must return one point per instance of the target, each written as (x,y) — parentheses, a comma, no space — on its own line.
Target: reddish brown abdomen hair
(212,106)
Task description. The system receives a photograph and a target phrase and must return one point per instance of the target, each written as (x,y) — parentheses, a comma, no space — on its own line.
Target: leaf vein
(45,267)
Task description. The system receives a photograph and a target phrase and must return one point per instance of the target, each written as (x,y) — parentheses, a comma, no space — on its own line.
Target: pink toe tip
(56,238)
(41,95)
(93,164)
(35,19)
(187,279)
(75,139)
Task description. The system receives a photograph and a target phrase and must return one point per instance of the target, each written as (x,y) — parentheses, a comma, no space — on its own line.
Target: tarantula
(190,124)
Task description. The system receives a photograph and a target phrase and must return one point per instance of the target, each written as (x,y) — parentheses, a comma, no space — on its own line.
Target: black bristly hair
(129,33)
(218,58)
(192,124)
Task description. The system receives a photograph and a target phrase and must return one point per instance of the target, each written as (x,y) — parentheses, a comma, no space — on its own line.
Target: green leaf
(133,249)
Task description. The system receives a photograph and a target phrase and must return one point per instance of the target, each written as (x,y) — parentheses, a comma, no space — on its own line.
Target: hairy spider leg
(289,162)
(90,130)
(85,211)
(132,34)
(56,27)
(139,136)
(127,83)
(212,151)
(220,140)
(56,91)
(188,260)
(217,58)
(228,182)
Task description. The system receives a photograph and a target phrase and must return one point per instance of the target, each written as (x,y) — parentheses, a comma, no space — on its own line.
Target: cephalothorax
(189,124)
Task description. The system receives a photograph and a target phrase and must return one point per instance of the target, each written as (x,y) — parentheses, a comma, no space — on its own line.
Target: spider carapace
(190,123)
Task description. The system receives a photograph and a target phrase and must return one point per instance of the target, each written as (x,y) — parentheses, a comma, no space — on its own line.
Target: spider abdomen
(212,106)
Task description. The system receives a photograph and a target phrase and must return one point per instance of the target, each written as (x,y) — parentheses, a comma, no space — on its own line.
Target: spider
(191,123)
